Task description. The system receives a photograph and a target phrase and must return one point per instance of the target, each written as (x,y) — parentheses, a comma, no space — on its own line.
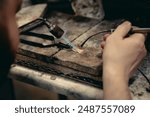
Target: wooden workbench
(57,59)
(55,67)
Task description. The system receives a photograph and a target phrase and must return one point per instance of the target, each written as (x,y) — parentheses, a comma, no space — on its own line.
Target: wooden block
(87,62)
(42,31)
(58,18)
(30,13)
(104,25)
(57,70)
(34,46)
(77,26)
(95,41)
(90,60)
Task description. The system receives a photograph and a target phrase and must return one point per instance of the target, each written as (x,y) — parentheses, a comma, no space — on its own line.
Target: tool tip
(80,51)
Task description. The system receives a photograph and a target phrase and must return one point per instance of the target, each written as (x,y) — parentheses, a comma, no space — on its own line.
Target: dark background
(136,11)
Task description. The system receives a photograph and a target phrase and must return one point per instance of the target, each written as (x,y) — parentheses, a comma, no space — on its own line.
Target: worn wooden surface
(78,29)
(139,87)
(29,14)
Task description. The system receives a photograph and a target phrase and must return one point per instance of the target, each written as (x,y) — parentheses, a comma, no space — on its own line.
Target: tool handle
(140,30)
(56,31)
(30,26)
(135,30)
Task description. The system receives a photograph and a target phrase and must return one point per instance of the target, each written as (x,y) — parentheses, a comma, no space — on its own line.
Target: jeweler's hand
(121,56)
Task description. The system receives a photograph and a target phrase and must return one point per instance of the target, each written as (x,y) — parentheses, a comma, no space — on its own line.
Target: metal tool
(135,30)
(140,30)
(60,34)
(28,19)
(30,25)
(53,29)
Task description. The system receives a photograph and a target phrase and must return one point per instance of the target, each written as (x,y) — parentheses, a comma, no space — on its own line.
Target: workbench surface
(63,70)
(49,57)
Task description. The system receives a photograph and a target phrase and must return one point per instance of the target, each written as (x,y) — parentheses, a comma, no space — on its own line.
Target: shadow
(148,89)
(62,46)
(81,19)
(60,5)
(147,43)
(131,80)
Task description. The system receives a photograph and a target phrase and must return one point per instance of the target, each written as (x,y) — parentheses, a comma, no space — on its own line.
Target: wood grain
(86,65)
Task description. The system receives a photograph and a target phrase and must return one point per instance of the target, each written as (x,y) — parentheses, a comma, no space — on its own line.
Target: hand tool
(60,34)
(55,30)
(135,30)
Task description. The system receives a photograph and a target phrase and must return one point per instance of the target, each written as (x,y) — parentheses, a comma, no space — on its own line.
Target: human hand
(121,54)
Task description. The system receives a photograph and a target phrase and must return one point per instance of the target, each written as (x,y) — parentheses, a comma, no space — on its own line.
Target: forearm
(115,85)
(9,39)
(121,56)
(9,36)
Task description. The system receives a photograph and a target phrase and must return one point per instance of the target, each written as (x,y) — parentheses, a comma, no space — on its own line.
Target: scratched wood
(94,41)
(90,60)
(88,64)
(75,27)
(37,35)
(56,69)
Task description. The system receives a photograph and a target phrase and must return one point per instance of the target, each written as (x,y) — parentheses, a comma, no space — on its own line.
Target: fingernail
(127,23)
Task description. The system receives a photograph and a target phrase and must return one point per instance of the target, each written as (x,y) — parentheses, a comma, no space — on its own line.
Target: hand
(121,56)
(123,53)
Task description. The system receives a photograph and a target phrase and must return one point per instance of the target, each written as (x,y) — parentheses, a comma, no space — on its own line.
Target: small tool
(140,30)
(29,18)
(135,30)
(53,29)
(60,34)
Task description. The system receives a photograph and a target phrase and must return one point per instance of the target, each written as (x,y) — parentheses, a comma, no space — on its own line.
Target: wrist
(115,84)
(115,74)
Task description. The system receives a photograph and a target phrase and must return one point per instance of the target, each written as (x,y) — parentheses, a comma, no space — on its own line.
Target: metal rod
(140,30)
(135,30)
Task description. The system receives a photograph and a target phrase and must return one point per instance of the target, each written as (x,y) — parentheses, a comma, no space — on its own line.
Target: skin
(121,57)
(9,36)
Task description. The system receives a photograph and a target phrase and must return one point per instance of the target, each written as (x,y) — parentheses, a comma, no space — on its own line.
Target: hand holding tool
(135,30)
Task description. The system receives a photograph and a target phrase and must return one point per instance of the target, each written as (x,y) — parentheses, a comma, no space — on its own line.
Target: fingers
(138,36)
(104,39)
(122,30)
(106,36)
(103,44)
